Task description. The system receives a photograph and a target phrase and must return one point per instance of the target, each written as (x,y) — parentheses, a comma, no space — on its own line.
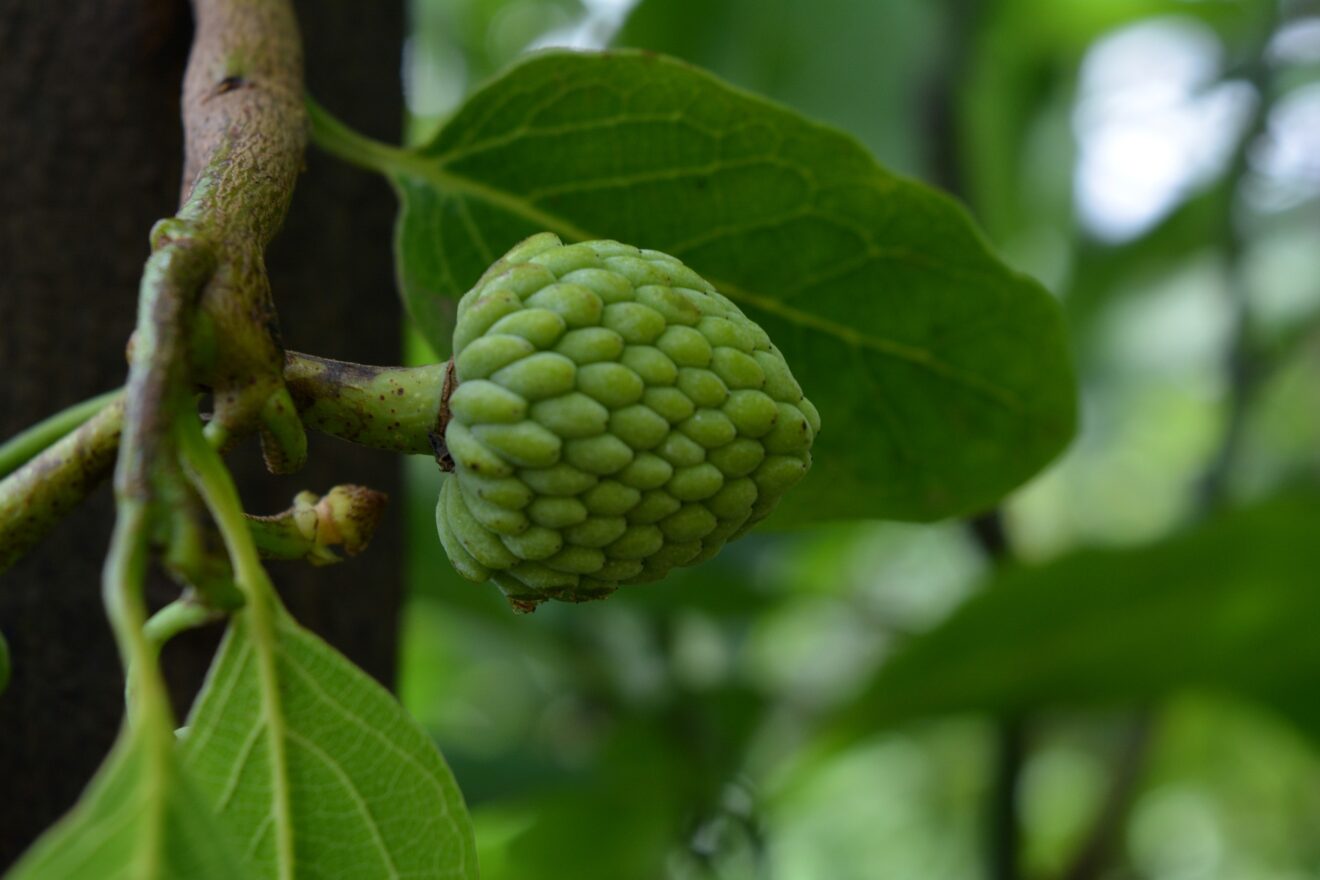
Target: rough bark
(92,156)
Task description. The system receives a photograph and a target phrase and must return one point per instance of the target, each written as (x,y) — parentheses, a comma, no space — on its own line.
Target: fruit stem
(396,409)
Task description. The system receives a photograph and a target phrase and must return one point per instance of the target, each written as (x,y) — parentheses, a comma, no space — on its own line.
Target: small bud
(345,517)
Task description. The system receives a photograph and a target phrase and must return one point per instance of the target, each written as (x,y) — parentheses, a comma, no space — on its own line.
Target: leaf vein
(240,762)
(197,741)
(627,181)
(915,355)
(358,801)
(324,696)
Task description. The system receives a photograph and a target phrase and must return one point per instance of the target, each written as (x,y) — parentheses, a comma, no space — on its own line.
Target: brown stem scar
(437,437)
(228,84)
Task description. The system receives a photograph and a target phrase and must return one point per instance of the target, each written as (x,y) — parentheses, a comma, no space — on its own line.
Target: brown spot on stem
(437,436)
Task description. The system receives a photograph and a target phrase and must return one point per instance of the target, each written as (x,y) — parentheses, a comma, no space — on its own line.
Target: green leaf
(139,819)
(1231,603)
(942,377)
(312,764)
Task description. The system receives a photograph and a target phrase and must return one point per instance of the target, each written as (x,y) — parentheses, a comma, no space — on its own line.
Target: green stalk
(212,480)
(148,713)
(122,591)
(178,616)
(23,447)
(339,140)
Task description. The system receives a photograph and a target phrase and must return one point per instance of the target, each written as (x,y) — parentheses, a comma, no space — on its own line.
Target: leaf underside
(942,377)
(369,796)
(128,806)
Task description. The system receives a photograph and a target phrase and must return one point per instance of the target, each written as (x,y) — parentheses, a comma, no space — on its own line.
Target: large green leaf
(942,377)
(1232,604)
(140,820)
(312,764)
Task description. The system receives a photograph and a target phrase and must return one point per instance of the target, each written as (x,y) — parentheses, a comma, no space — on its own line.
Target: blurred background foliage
(1128,688)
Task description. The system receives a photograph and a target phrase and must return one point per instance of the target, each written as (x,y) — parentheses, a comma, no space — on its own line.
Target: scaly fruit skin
(615,416)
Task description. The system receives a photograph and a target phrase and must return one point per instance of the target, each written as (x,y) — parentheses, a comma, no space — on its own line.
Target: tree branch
(48,487)
(205,314)
(395,409)
(1093,855)
(25,446)
(1011,746)
(243,118)
(245,135)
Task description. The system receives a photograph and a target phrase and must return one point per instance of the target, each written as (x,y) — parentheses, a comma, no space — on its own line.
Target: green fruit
(614,416)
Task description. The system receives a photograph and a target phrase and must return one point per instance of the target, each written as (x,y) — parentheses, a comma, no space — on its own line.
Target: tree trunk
(90,157)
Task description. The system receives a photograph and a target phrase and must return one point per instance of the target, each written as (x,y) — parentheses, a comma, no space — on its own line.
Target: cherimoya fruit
(614,416)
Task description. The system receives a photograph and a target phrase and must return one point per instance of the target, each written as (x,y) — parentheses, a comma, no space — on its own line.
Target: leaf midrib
(405,163)
(271,714)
